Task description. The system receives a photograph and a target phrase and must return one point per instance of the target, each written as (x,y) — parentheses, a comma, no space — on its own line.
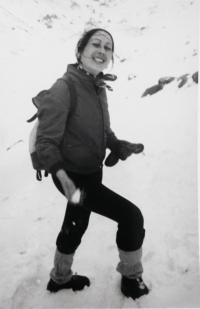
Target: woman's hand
(68,186)
(123,150)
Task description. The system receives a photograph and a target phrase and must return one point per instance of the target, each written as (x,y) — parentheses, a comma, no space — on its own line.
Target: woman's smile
(97,53)
(98,60)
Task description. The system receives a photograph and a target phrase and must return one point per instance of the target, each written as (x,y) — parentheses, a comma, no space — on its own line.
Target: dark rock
(195,77)
(183,79)
(131,76)
(153,90)
(166,80)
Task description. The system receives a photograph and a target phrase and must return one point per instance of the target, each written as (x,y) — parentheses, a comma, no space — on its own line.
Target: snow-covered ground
(153,39)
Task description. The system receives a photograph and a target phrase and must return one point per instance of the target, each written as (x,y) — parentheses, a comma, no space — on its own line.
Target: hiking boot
(76,283)
(134,288)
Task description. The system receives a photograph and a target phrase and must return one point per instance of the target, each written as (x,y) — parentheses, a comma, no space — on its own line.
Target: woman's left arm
(120,149)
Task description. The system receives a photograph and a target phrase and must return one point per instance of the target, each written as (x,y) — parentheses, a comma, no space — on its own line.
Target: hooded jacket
(77,143)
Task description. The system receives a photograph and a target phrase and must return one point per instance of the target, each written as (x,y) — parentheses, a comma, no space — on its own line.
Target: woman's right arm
(52,115)
(67,184)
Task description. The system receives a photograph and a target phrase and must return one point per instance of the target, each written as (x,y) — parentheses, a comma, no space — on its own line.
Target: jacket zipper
(102,117)
(102,121)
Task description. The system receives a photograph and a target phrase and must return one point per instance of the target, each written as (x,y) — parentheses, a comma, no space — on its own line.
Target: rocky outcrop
(166,80)
(183,79)
(195,77)
(153,90)
(161,83)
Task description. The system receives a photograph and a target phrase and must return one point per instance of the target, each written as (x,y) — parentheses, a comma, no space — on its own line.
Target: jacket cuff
(54,168)
(112,142)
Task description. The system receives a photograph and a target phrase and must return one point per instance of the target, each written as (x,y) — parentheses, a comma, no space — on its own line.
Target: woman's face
(97,53)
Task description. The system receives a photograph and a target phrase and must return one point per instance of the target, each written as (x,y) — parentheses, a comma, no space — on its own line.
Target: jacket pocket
(85,156)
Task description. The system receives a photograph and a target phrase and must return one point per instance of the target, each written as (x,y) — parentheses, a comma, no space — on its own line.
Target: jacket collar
(98,80)
(72,69)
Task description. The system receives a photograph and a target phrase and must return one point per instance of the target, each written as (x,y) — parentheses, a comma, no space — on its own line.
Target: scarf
(99,80)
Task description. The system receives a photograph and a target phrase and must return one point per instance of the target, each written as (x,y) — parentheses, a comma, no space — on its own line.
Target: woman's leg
(104,201)
(130,234)
(76,217)
(74,226)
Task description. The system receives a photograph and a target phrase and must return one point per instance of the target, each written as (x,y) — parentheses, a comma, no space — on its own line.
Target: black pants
(105,202)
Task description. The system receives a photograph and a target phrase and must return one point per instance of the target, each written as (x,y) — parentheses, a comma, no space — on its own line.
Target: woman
(72,150)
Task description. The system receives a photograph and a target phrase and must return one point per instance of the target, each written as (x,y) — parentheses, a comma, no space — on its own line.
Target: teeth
(99,60)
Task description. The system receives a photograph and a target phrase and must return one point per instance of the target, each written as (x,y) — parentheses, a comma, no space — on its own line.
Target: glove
(122,151)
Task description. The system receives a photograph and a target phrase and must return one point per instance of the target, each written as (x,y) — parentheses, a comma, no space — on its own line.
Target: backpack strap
(67,79)
(39,175)
(32,118)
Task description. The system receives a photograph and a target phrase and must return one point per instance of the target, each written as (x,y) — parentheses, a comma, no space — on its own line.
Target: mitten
(122,151)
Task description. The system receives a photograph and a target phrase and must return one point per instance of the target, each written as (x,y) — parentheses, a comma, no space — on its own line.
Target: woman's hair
(84,40)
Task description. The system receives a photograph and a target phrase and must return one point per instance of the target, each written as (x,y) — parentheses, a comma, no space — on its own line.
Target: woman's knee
(133,216)
(130,234)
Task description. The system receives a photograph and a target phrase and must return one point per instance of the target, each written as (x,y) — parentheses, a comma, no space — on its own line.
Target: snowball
(76,197)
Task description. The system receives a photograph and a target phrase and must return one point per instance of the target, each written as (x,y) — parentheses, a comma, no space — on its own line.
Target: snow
(153,39)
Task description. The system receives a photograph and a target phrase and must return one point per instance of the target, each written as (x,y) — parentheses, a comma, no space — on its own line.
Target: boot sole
(54,289)
(127,294)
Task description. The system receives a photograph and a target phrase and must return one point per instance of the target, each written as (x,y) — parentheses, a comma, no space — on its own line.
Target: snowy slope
(153,39)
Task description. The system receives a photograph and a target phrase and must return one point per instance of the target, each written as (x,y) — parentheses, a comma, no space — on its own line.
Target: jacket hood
(72,69)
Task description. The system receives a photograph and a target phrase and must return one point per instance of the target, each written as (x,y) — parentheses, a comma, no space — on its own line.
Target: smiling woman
(97,54)
(95,50)
(73,149)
